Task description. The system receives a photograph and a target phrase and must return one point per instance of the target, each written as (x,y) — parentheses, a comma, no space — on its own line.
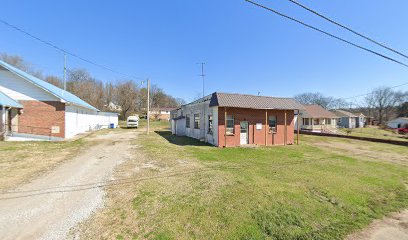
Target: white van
(132,122)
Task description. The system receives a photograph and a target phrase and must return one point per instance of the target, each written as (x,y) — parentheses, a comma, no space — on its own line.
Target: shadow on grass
(180,141)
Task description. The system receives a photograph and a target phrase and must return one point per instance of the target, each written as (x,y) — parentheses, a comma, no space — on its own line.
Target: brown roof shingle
(253,102)
(317,111)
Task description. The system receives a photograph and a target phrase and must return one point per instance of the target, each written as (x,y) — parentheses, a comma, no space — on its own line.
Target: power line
(347,28)
(366,94)
(327,33)
(67,52)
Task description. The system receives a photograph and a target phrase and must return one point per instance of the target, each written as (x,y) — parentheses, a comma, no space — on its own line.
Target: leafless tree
(56,81)
(320,99)
(83,85)
(21,64)
(381,103)
(126,95)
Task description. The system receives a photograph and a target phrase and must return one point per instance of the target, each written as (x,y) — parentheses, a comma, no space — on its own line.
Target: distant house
(228,120)
(32,108)
(317,119)
(401,122)
(161,113)
(113,107)
(349,120)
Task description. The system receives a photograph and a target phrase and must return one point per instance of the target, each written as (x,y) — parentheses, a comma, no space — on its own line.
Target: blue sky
(247,49)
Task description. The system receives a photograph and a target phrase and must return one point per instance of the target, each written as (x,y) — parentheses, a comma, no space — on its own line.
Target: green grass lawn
(375,132)
(283,192)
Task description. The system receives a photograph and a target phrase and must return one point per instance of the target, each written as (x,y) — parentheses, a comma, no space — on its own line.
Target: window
(187,120)
(210,124)
(316,122)
(197,121)
(230,124)
(272,123)
(328,121)
(306,121)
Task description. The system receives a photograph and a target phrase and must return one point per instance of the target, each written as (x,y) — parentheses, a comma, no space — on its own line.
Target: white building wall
(202,133)
(399,122)
(80,120)
(215,126)
(19,89)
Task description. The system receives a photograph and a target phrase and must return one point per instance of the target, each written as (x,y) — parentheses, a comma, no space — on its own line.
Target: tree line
(123,96)
(382,104)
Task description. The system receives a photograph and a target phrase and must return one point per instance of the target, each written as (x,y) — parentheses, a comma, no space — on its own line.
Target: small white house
(401,122)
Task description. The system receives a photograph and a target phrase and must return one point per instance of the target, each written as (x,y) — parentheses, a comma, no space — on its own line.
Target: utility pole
(148,106)
(65,73)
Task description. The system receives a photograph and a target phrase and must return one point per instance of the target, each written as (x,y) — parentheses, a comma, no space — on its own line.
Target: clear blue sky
(247,49)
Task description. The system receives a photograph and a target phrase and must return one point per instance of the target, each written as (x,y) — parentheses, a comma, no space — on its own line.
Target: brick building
(228,120)
(32,108)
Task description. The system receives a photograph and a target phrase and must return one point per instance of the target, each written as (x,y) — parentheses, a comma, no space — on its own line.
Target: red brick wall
(39,117)
(254,116)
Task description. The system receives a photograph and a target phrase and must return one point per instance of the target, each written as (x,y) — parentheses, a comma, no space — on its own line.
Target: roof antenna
(202,75)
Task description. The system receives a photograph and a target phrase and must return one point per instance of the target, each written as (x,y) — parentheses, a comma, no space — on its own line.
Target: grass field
(375,132)
(322,189)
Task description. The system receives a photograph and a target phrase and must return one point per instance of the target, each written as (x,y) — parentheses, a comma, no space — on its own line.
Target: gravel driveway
(49,207)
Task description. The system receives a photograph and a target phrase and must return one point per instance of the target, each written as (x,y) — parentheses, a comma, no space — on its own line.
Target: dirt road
(394,227)
(49,207)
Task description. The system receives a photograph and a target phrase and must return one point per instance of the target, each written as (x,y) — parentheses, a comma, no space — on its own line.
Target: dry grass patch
(21,162)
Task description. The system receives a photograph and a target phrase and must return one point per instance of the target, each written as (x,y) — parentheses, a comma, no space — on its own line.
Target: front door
(244,133)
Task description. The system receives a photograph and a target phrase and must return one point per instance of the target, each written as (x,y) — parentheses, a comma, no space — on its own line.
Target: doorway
(244,133)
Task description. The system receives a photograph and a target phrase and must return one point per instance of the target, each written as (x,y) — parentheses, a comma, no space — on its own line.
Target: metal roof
(56,91)
(317,111)
(253,102)
(7,101)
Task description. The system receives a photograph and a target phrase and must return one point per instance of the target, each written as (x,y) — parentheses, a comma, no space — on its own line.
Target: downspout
(286,129)
(225,127)
(266,127)
(297,123)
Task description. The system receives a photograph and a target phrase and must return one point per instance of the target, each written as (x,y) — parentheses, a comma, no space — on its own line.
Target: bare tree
(381,103)
(56,81)
(320,99)
(82,84)
(21,64)
(125,95)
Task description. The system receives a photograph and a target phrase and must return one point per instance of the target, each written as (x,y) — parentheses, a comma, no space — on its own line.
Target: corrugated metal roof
(253,102)
(56,91)
(317,111)
(7,101)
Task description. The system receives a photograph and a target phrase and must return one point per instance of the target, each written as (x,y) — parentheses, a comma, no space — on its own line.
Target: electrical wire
(327,33)
(68,52)
(348,28)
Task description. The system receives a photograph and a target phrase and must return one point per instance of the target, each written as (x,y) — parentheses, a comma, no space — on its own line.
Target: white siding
(19,89)
(202,108)
(215,126)
(396,123)
(80,120)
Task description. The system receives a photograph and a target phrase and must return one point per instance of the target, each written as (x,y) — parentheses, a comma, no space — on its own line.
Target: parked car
(132,122)
(402,130)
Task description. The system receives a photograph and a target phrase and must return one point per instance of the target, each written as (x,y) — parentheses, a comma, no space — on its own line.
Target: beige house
(317,119)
